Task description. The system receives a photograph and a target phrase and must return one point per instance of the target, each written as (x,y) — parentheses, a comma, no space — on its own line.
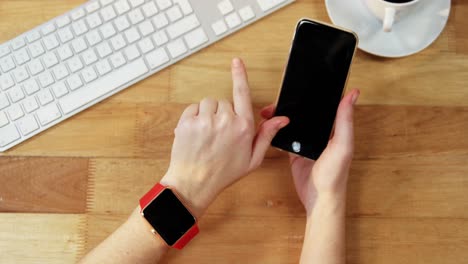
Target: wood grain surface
(64,191)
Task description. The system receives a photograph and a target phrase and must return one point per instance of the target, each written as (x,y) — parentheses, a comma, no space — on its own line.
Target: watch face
(168,216)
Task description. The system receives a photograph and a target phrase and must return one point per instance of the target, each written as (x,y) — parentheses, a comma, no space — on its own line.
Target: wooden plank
(41,238)
(433,186)
(279,239)
(460,9)
(43,185)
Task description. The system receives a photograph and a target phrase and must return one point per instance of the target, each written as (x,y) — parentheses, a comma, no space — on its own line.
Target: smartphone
(313,85)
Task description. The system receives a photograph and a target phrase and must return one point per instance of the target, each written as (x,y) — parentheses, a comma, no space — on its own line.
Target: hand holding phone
(313,84)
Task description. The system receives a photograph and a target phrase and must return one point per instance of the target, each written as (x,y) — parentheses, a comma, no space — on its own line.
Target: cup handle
(389,19)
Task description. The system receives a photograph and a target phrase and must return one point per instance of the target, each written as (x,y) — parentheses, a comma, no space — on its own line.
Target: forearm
(324,240)
(132,242)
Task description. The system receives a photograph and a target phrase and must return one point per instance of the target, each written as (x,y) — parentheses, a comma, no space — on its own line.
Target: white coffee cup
(388,11)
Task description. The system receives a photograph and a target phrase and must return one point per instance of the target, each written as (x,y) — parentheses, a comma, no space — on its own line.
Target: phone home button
(296,146)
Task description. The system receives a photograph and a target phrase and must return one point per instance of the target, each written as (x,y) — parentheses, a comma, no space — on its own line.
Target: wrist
(328,203)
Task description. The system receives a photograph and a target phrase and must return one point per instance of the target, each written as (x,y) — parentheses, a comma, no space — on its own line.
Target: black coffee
(398,1)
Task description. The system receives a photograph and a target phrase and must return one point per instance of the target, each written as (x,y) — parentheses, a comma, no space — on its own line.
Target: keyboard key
(45,96)
(160,21)
(196,38)
(183,26)
(174,13)
(150,9)
(4,50)
(65,34)
(146,45)
(93,38)
(107,30)
(146,28)
(104,50)
(15,112)
(103,67)
(118,42)
(45,79)
(106,2)
(121,6)
(121,23)
(246,13)
(63,21)
(30,86)
(6,82)
(132,35)
(30,104)
(233,20)
(9,135)
(132,53)
(225,7)
(22,56)
(48,28)
(35,67)
(48,114)
(74,82)
(79,45)
(18,43)
(164,4)
(7,64)
(103,86)
(64,52)
(89,57)
(89,74)
(3,101)
(60,72)
(3,119)
(157,58)
(51,42)
(93,20)
(135,3)
(31,36)
(117,60)
(36,49)
(176,48)
(266,5)
(59,89)
(108,13)
(185,6)
(136,16)
(16,94)
(160,38)
(50,59)
(80,27)
(20,74)
(91,7)
(77,13)
(27,125)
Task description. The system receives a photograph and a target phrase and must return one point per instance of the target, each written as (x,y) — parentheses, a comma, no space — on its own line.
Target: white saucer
(410,34)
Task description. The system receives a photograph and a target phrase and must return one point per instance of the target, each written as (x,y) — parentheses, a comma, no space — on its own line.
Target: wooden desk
(64,191)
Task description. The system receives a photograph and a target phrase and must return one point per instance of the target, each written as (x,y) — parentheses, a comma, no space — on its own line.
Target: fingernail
(281,124)
(355,97)
(236,62)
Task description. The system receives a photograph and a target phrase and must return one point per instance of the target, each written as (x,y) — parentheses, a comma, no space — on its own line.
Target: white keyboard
(80,58)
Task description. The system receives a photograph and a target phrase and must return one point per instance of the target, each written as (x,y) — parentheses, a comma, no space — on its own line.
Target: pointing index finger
(241,90)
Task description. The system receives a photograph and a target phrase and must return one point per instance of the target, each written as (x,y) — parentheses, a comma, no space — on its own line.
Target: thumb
(265,134)
(343,136)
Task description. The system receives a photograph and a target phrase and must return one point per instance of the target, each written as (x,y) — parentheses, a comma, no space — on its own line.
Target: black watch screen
(168,216)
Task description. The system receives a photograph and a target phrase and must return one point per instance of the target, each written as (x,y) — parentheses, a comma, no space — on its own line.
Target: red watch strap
(191,233)
(149,196)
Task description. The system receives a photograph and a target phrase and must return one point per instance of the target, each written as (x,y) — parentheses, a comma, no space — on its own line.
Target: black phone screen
(313,85)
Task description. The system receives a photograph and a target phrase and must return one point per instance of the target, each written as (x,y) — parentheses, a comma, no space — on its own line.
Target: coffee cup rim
(399,4)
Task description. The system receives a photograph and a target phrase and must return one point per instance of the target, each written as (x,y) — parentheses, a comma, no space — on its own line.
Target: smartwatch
(169,217)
